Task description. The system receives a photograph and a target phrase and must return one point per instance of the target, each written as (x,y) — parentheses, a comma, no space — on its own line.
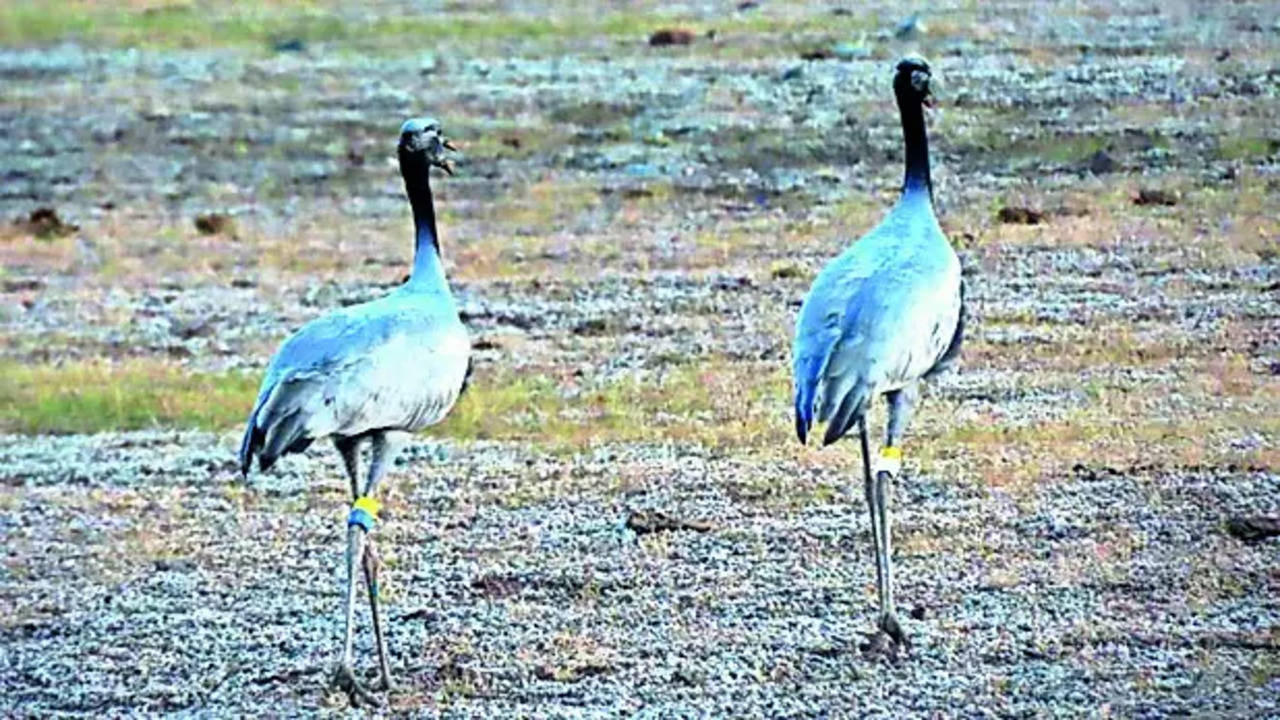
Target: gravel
(142,576)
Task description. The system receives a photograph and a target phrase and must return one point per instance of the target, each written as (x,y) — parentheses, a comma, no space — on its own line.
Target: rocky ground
(619,522)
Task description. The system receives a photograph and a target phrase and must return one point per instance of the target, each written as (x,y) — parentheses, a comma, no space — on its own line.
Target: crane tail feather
(850,413)
(285,435)
(250,444)
(804,413)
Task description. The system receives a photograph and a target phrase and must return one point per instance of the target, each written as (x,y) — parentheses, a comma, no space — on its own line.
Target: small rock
(1253,529)
(288,45)
(13,285)
(671,36)
(496,586)
(1020,216)
(199,327)
(570,672)
(739,282)
(1222,55)
(215,224)
(748,5)
(821,53)
(242,283)
(1149,196)
(1101,163)
(783,270)
(917,612)
(425,614)
(44,224)
(592,327)
(643,522)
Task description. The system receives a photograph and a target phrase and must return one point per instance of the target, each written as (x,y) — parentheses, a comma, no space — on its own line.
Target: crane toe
(890,627)
(345,680)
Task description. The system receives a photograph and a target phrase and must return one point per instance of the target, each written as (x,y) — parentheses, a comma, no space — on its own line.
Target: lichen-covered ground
(629,233)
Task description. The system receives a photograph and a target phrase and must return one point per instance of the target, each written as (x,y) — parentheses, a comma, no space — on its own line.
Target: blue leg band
(361,517)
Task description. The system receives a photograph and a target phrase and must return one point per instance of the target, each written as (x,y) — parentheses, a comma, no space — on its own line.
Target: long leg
(870,488)
(344,676)
(900,403)
(383,452)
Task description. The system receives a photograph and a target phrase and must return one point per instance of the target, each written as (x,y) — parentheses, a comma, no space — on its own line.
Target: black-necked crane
(880,317)
(370,372)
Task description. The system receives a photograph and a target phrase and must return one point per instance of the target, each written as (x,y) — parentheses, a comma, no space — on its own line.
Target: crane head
(422,136)
(912,79)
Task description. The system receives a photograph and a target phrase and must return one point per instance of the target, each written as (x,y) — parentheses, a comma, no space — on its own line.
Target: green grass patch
(718,404)
(1246,147)
(261,24)
(1065,149)
(86,397)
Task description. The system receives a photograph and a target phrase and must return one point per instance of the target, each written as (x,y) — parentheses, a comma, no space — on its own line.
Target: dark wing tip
(832,434)
(802,429)
(249,445)
(265,462)
(846,416)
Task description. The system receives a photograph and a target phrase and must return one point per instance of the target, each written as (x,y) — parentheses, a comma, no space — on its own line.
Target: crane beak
(448,145)
(446,166)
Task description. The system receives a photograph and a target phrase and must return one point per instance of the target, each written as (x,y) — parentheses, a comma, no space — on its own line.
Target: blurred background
(643,194)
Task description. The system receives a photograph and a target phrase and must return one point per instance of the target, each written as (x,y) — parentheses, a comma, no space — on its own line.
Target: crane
(881,316)
(370,372)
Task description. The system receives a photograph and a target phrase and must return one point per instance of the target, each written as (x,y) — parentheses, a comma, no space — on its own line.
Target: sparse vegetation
(629,232)
(296,26)
(96,396)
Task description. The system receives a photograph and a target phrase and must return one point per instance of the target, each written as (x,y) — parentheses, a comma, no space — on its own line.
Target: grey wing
(363,369)
(871,332)
(819,330)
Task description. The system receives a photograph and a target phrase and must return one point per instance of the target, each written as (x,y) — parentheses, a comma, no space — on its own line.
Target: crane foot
(345,680)
(888,641)
(889,626)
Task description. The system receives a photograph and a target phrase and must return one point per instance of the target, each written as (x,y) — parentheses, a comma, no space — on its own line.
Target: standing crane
(374,371)
(883,315)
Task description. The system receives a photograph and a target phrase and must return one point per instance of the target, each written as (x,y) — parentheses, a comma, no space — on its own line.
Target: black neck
(417,183)
(917,142)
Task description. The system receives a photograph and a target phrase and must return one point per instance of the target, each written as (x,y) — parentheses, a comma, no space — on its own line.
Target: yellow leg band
(368,505)
(364,513)
(890,461)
